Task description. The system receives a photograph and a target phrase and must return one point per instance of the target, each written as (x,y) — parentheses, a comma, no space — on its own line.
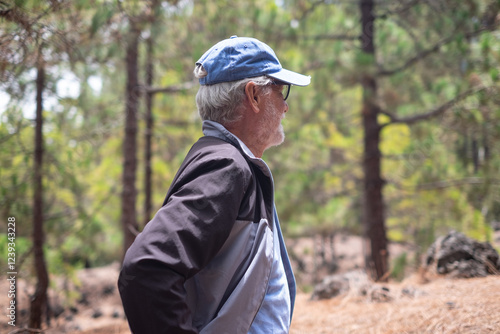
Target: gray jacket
(202,264)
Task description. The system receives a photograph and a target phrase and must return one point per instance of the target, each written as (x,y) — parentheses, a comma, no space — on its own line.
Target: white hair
(220,102)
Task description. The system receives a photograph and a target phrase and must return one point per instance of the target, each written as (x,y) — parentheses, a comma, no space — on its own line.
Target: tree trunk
(376,253)
(475,154)
(465,150)
(149,134)
(486,144)
(129,192)
(39,299)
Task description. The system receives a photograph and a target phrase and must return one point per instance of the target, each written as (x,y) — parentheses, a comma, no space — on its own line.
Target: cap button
(234,36)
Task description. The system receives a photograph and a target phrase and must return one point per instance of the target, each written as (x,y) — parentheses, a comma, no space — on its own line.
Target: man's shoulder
(218,147)
(210,149)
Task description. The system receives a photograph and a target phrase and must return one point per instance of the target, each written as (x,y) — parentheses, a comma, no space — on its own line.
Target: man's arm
(185,234)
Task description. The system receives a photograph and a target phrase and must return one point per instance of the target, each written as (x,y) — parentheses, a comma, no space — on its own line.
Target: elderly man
(213,260)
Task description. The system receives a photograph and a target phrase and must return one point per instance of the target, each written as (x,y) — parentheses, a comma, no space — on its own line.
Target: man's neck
(249,136)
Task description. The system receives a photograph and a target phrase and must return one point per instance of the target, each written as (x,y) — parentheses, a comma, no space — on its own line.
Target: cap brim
(292,78)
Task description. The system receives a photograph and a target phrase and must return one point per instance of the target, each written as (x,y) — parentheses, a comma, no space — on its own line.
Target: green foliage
(102,15)
(399,267)
(440,174)
(15,172)
(23,246)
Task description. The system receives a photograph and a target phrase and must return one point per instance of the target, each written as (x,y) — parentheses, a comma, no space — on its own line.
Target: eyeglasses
(286,88)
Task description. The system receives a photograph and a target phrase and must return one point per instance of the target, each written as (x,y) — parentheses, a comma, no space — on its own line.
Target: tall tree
(132,93)
(31,28)
(149,117)
(39,299)
(373,213)
(137,14)
(148,135)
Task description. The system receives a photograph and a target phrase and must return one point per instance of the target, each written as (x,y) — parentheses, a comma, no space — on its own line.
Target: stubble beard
(275,135)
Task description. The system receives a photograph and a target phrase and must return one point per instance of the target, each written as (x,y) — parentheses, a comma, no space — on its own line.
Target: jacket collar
(214,129)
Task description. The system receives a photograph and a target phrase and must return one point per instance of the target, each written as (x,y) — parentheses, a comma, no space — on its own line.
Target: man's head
(239,58)
(240,77)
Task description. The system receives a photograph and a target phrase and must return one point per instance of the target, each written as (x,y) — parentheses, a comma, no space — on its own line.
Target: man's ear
(253,94)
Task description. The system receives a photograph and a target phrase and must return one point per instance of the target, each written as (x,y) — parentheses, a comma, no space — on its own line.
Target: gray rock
(334,285)
(331,286)
(459,256)
(495,225)
(380,294)
(97,314)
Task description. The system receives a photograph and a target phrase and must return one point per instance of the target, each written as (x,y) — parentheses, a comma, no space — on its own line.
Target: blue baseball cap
(239,58)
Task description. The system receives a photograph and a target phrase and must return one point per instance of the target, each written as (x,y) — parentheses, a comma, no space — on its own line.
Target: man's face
(275,108)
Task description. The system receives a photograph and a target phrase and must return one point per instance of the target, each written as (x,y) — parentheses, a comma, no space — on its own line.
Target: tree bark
(475,154)
(376,253)
(132,93)
(486,143)
(148,135)
(39,300)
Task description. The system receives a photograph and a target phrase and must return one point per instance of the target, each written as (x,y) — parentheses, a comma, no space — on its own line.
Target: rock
(335,285)
(412,292)
(380,294)
(108,290)
(97,314)
(408,292)
(459,256)
(57,310)
(116,314)
(451,305)
(84,299)
(76,328)
(331,286)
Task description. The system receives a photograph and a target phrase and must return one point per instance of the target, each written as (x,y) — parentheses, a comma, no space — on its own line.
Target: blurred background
(396,140)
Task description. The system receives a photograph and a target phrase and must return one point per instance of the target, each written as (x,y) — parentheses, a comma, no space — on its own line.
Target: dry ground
(441,306)
(438,306)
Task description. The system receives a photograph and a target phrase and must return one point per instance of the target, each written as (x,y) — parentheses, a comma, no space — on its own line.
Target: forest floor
(419,304)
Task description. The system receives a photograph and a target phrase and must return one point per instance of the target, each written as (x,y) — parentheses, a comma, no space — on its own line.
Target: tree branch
(432,113)
(435,48)
(339,37)
(306,12)
(455,183)
(172,89)
(391,116)
(439,185)
(14,14)
(397,11)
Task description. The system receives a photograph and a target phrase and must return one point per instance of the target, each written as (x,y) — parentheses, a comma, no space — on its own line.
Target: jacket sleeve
(185,234)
